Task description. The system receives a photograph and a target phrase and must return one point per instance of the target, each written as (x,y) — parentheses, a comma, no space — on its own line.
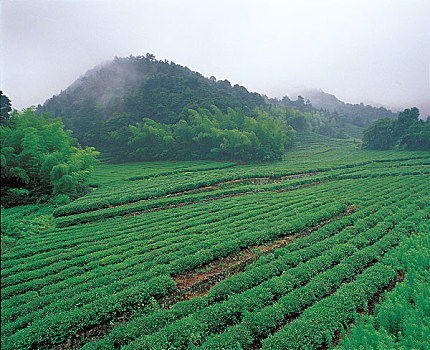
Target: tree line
(202,134)
(39,159)
(407,132)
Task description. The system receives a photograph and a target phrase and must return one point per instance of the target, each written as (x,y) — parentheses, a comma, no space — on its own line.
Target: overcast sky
(375,51)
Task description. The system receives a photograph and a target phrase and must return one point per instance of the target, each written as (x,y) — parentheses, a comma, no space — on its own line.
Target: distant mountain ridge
(359,114)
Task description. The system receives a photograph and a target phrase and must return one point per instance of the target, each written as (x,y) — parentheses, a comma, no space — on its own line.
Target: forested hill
(140,108)
(359,114)
(125,90)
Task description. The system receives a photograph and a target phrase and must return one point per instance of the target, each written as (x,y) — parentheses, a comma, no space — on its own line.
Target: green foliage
(121,184)
(417,136)
(5,108)
(407,132)
(379,135)
(308,119)
(39,158)
(359,115)
(24,221)
(139,108)
(67,280)
(206,134)
(112,96)
(402,320)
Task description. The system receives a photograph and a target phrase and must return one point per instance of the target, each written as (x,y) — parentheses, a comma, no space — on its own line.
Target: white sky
(375,51)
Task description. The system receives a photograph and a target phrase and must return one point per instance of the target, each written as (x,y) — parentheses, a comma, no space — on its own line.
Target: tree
(408,116)
(417,136)
(150,56)
(404,121)
(41,159)
(5,107)
(298,121)
(209,134)
(379,135)
(407,132)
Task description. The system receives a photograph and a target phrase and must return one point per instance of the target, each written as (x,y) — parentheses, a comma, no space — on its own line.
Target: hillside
(140,108)
(358,114)
(125,90)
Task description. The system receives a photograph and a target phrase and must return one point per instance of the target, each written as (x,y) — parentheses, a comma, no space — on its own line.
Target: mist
(373,51)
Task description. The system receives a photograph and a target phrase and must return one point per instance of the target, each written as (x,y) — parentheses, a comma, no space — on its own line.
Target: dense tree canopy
(379,135)
(312,120)
(140,87)
(203,134)
(122,92)
(5,108)
(141,108)
(39,158)
(406,132)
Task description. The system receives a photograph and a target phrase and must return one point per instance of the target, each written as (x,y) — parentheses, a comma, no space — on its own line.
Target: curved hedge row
(402,319)
(126,192)
(75,277)
(194,329)
(39,298)
(260,324)
(330,314)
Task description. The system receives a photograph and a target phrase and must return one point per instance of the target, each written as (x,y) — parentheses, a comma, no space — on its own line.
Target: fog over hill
(360,51)
(330,102)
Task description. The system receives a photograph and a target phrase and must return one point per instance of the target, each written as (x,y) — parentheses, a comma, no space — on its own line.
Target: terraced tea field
(217,255)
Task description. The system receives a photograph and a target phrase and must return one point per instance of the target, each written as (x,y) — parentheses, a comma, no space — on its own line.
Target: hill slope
(138,108)
(141,87)
(359,114)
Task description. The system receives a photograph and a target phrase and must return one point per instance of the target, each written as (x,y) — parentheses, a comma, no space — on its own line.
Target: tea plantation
(328,247)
